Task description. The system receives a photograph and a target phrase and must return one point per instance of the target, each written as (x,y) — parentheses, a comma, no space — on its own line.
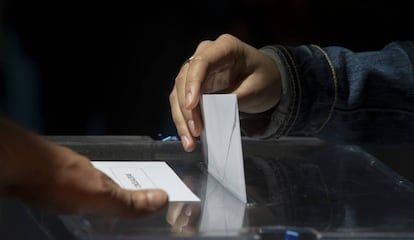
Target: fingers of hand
(210,69)
(214,65)
(181,123)
(116,201)
(83,189)
(140,202)
(183,217)
(188,120)
(174,210)
(195,123)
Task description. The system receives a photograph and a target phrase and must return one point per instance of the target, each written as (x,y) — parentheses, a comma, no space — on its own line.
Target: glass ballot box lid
(297,188)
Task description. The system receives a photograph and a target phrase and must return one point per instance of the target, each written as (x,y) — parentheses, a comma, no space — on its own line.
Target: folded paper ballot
(221,142)
(136,175)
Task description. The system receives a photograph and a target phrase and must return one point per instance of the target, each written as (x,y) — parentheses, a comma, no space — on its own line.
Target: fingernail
(188,98)
(192,127)
(185,141)
(156,199)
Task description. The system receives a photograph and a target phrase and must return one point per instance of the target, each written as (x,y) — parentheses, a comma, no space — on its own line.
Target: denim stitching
(299,96)
(332,69)
(286,121)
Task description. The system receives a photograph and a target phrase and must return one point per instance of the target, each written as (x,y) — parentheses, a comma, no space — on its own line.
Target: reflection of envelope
(222,142)
(223,213)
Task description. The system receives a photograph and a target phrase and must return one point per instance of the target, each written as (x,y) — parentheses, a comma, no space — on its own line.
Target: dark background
(82,67)
(107,67)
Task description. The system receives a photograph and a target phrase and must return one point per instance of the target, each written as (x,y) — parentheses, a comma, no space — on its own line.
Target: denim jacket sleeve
(344,96)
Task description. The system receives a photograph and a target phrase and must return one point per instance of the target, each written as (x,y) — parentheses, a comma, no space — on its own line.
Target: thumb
(137,203)
(121,202)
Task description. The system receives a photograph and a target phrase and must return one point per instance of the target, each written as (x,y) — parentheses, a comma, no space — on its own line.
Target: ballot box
(297,188)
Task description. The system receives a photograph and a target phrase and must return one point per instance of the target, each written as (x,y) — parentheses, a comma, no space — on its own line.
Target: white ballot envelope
(136,175)
(221,142)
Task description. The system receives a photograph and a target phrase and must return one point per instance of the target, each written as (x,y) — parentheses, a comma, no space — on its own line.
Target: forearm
(24,157)
(338,94)
(55,178)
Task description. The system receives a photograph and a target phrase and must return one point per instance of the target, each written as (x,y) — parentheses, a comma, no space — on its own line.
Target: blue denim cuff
(336,94)
(275,122)
(309,92)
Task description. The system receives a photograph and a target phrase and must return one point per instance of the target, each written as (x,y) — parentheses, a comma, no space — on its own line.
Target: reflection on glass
(311,188)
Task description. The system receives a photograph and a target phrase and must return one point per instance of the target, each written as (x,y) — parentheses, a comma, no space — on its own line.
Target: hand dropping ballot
(222,149)
(221,142)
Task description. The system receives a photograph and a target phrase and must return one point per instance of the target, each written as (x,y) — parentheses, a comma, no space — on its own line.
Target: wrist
(279,118)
